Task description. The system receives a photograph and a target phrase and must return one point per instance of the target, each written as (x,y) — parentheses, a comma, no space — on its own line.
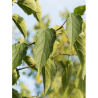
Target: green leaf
(50,69)
(73,27)
(84,71)
(62,30)
(67,73)
(76,93)
(28,6)
(18,52)
(13,1)
(79,82)
(38,14)
(80,10)
(29,61)
(15,76)
(20,23)
(43,46)
(49,72)
(15,94)
(80,48)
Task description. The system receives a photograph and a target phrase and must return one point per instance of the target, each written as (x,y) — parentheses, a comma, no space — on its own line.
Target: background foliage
(67,72)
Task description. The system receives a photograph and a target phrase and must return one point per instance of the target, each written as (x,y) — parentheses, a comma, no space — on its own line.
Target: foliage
(58,53)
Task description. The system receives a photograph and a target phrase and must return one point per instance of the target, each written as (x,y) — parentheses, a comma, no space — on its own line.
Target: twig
(61,26)
(68,54)
(61,49)
(63,46)
(25,67)
(31,43)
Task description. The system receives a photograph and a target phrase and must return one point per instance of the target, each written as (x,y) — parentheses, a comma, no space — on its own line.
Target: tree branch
(31,43)
(68,54)
(25,67)
(61,26)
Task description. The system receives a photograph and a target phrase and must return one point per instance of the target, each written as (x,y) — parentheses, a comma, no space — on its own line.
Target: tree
(54,52)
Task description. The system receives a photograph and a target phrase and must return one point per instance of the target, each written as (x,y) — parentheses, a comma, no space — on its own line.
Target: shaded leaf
(29,61)
(73,27)
(38,14)
(18,52)
(28,6)
(79,82)
(20,23)
(80,10)
(15,94)
(80,48)
(50,69)
(15,76)
(67,73)
(43,46)
(49,72)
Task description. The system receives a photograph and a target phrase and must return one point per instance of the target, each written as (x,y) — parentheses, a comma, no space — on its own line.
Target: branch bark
(61,26)
(31,43)
(25,67)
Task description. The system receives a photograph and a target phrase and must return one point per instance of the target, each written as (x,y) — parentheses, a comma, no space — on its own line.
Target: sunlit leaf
(73,27)
(83,72)
(13,1)
(28,6)
(15,76)
(80,10)
(62,30)
(15,94)
(18,52)
(29,61)
(43,46)
(38,14)
(20,23)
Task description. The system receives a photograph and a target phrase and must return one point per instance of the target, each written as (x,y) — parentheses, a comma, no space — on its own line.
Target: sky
(51,7)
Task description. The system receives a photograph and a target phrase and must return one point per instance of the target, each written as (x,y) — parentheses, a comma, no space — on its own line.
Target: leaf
(79,82)
(15,76)
(28,6)
(18,52)
(20,23)
(49,72)
(83,72)
(13,1)
(38,14)
(62,30)
(67,73)
(50,69)
(73,27)
(43,46)
(80,10)
(80,48)
(15,94)
(29,61)
(76,93)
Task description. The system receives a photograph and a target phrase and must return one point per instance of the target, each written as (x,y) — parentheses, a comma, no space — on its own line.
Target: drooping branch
(25,67)
(61,26)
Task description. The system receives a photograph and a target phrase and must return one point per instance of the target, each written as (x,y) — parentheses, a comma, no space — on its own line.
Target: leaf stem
(61,26)
(25,67)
